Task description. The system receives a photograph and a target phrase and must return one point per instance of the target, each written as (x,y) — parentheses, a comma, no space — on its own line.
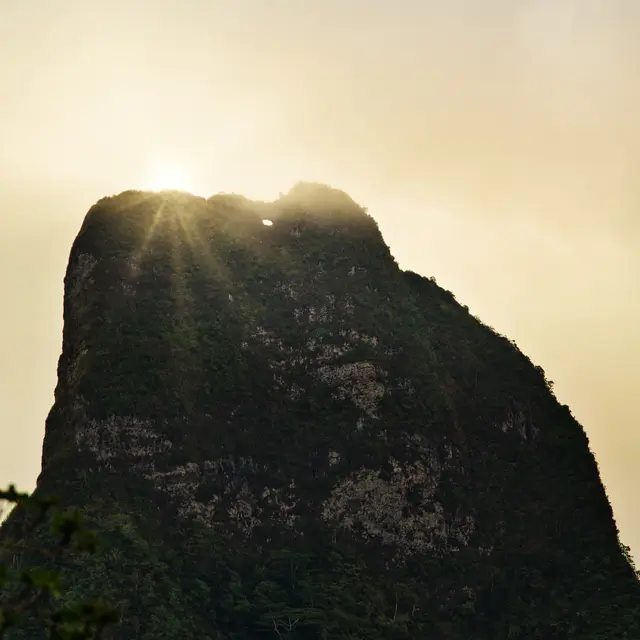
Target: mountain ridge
(285,395)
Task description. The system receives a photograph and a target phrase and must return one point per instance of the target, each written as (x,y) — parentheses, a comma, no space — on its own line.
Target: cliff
(280,434)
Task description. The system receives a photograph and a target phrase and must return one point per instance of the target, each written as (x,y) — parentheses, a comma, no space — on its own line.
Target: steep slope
(280,434)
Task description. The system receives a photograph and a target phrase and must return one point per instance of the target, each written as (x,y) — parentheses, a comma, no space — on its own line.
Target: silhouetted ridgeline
(283,435)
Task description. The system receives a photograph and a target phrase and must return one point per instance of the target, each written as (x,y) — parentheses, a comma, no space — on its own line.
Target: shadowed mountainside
(280,434)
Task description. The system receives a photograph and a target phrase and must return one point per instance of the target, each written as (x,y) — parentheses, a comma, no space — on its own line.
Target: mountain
(280,434)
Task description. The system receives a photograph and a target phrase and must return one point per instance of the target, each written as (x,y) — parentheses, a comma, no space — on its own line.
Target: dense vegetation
(279,434)
(30,592)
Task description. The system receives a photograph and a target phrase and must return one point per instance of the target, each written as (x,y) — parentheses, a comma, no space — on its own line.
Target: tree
(31,591)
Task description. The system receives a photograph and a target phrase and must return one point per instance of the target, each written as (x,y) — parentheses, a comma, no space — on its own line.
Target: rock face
(283,435)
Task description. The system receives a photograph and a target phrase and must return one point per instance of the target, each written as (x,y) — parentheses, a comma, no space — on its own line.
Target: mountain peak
(299,439)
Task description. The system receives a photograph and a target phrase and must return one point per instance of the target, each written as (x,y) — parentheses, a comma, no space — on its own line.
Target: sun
(168,177)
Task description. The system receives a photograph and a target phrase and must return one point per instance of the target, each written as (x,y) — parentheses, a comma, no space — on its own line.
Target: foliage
(33,591)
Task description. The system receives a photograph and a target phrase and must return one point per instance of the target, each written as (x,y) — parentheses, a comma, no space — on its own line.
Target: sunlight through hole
(267,223)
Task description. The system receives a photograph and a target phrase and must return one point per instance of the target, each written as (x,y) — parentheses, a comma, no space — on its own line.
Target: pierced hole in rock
(267,223)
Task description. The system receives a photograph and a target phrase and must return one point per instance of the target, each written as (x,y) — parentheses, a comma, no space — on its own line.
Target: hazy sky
(496,142)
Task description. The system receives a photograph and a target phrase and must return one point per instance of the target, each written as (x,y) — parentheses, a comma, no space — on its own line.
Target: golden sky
(496,142)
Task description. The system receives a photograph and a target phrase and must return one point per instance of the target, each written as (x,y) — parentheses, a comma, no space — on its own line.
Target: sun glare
(169,178)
